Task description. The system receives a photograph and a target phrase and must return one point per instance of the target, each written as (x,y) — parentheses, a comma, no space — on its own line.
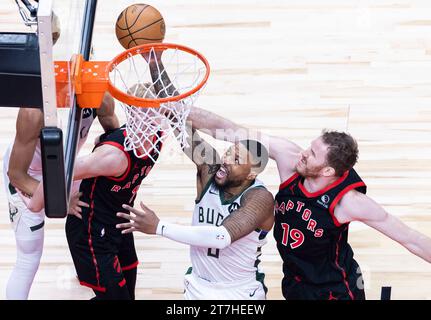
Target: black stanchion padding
(54,180)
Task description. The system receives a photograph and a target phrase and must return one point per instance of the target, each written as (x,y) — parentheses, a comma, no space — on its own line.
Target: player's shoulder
(28,124)
(30,116)
(352,196)
(110,155)
(257,194)
(351,206)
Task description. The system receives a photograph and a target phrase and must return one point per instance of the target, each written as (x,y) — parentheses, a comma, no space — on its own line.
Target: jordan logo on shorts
(12,211)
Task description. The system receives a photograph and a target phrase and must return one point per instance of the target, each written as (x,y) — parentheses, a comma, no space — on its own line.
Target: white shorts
(24,222)
(27,224)
(196,288)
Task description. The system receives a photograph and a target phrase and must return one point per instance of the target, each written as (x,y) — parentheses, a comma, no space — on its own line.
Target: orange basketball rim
(91,79)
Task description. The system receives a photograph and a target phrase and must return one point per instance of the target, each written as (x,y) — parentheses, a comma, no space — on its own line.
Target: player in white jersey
(232,216)
(22,169)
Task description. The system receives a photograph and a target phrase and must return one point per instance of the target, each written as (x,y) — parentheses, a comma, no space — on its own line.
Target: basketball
(139,24)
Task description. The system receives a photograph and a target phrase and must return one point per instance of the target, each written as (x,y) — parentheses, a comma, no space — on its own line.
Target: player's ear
(252,175)
(328,171)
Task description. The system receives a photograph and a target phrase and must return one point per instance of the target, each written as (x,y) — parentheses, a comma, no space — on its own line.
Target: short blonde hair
(143,90)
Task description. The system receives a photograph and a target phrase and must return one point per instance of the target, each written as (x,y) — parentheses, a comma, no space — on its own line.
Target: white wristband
(199,236)
(160,228)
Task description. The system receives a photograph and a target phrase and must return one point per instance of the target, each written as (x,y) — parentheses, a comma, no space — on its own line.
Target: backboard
(77,18)
(43,18)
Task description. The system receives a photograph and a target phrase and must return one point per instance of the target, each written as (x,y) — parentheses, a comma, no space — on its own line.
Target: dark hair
(258,152)
(342,151)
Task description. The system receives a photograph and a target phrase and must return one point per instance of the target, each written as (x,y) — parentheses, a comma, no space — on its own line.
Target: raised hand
(144,220)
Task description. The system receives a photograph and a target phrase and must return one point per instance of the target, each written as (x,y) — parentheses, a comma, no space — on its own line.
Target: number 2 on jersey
(296,235)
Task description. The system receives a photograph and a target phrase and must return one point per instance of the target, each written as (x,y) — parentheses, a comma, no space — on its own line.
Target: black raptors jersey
(317,260)
(106,195)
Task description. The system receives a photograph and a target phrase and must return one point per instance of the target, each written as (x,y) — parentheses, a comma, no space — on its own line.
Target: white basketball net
(146,127)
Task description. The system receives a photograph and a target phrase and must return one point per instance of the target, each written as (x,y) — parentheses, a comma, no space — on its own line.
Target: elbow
(223,237)
(34,207)
(14,177)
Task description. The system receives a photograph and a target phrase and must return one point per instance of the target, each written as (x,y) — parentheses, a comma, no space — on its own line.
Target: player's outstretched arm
(204,156)
(283,151)
(106,114)
(148,222)
(28,125)
(356,206)
(105,160)
(256,211)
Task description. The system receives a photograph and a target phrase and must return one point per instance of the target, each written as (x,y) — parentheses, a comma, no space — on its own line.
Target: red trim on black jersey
(288,181)
(343,272)
(320,192)
(339,196)
(90,240)
(122,283)
(129,161)
(101,289)
(130,266)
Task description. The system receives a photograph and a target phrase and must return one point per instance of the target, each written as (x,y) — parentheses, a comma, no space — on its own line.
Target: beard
(307,172)
(226,183)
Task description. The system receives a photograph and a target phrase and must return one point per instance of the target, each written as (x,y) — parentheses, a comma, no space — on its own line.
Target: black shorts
(100,254)
(295,289)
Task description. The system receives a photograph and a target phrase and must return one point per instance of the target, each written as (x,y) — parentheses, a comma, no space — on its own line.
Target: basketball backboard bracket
(27,11)
(44,16)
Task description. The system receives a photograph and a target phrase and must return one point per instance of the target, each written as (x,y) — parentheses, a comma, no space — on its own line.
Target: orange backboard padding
(88,79)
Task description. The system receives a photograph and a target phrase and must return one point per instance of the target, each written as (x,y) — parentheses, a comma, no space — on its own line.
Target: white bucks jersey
(238,261)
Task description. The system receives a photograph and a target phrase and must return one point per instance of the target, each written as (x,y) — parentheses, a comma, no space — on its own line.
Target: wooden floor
(291,68)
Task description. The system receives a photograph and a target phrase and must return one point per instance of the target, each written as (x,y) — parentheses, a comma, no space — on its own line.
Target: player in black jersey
(106,260)
(319,196)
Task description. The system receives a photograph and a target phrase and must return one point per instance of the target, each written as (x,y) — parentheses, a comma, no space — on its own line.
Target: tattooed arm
(162,83)
(283,151)
(199,151)
(204,156)
(256,211)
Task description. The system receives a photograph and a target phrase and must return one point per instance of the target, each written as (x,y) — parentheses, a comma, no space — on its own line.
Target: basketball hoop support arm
(51,137)
(47,63)
(75,115)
